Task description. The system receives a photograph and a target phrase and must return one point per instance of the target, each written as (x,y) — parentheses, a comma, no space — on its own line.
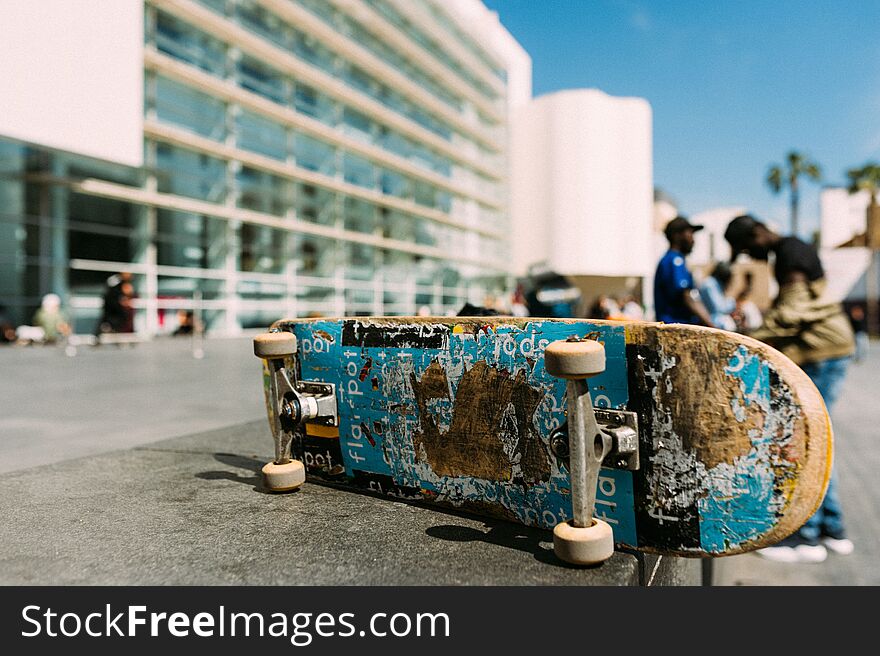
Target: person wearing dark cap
(676,300)
(814,331)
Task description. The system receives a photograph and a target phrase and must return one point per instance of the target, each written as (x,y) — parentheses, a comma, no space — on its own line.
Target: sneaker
(794,551)
(840,546)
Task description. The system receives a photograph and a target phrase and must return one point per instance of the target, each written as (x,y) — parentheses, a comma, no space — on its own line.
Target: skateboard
(663,438)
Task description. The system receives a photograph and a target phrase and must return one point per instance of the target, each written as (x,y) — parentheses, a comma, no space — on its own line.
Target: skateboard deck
(734,444)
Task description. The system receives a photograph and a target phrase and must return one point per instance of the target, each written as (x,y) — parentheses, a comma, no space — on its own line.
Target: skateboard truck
(583,540)
(293,402)
(620,425)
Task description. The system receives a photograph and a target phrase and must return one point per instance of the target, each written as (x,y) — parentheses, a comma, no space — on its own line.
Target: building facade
(299,158)
(842,216)
(583,189)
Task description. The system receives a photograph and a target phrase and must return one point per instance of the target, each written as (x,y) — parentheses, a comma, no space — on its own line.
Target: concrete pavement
(54,407)
(191,511)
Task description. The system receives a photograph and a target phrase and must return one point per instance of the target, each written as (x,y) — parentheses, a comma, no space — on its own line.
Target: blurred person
(7,327)
(52,319)
(185,323)
(518,306)
(117,315)
(747,315)
(612,308)
(713,293)
(423,311)
(127,296)
(816,334)
(471,310)
(599,308)
(859,321)
(490,301)
(630,309)
(676,300)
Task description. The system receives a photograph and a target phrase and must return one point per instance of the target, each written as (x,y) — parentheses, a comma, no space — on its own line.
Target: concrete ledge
(191,511)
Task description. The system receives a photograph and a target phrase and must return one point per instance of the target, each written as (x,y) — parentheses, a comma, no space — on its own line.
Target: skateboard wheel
(284,477)
(589,545)
(274,345)
(574,360)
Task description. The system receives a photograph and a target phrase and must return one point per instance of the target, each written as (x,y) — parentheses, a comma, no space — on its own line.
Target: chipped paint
(726,475)
(745,498)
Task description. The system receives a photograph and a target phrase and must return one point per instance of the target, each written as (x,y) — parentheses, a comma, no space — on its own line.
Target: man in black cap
(813,331)
(675,298)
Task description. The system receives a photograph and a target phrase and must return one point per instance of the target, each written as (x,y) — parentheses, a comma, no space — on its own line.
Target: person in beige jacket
(814,331)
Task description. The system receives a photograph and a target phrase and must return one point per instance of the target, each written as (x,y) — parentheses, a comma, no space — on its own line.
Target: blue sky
(733,85)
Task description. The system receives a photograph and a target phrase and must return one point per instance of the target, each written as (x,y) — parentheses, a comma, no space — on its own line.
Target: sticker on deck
(463,414)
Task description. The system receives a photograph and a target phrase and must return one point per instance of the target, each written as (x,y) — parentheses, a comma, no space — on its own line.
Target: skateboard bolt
(291,414)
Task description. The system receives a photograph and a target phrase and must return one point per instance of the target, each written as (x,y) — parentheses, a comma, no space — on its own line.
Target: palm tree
(867,178)
(796,165)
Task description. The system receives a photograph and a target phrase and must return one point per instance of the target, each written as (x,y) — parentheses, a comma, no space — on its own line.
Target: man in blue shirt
(675,298)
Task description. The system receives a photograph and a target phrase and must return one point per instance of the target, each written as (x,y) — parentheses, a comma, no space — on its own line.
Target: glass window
(314,155)
(393,100)
(357,125)
(98,229)
(184,172)
(395,184)
(358,302)
(181,105)
(188,44)
(397,269)
(263,22)
(396,225)
(255,76)
(320,8)
(308,49)
(261,318)
(394,142)
(264,192)
(315,204)
(425,194)
(305,99)
(358,171)
(314,256)
(218,6)
(360,215)
(184,239)
(427,270)
(360,79)
(425,232)
(261,135)
(262,249)
(426,159)
(443,201)
(309,101)
(258,290)
(360,261)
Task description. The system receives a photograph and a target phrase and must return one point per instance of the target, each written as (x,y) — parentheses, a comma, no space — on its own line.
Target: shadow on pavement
(502,534)
(240,462)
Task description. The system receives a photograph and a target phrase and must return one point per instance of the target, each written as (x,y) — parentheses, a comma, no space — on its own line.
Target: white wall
(841,215)
(71,76)
(582,184)
(709,243)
